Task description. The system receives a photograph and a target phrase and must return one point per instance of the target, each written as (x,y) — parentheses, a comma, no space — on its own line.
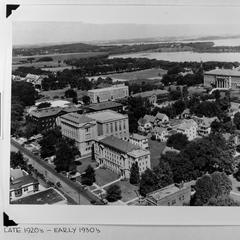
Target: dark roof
(104,105)
(77,118)
(45,112)
(48,196)
(19,182)
(118,144)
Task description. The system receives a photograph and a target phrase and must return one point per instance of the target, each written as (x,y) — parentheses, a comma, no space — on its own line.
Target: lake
(183,56)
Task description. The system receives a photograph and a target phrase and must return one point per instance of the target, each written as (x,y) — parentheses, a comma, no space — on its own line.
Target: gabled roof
(138,136)
(159,130)
(25,180)
(160,116)
(149,118)
(118,144)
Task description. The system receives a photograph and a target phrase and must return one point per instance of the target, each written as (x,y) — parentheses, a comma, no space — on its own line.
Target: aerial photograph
(125,110)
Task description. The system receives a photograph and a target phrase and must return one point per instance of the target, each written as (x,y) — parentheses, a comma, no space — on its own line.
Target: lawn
(104,176)
(61,93)
(128,190)
(142,74)
(85,162)
(156,149)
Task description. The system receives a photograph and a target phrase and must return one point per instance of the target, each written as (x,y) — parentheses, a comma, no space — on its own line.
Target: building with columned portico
(222,79)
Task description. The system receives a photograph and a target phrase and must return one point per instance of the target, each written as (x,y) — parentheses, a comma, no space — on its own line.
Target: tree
(75,100)
(148,182)
(163,173)
(93,152)
(88,178)
(222,201)
(30,130)
(16,160)
(236,120)
(64,160)
(114,193)
(86,99)
(204,190)
(214,186)
(70,93)
(134,174)
(177,141)
(44,105)
(49,141)
(25,92)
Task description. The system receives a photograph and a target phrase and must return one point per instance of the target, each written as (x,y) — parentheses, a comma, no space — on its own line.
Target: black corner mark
(10,8)
(7,222)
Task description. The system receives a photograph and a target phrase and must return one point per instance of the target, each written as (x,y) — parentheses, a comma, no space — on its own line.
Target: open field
(156,149)
(60,93)
(104,176)
(153,73)
(58,60)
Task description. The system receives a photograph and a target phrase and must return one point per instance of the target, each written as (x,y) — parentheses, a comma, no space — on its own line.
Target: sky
(58,24)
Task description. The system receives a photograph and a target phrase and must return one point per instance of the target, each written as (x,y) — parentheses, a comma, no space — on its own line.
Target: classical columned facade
(223,82)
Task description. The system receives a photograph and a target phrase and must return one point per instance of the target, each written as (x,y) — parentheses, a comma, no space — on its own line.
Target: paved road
(71,188)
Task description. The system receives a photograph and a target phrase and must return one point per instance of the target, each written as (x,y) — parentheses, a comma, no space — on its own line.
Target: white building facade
(108,94)
(119,155)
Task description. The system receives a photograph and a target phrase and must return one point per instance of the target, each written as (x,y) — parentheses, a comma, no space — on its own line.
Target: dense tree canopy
(134,174)
(114,193)
(44,105)
(177,141)
(16,160)
(88,178)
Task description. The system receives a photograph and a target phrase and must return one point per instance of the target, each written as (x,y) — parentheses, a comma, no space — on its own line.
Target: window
(120,126)
(115,126)
(25,189)
(173,202)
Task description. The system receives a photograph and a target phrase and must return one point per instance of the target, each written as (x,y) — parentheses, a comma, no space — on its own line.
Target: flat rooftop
(119,144)
(77,118)
(45,112)
(224,72)
(138,137)
(164,192)
(104,105)
(49,196)
(138,153)
(106,116)
(114,87)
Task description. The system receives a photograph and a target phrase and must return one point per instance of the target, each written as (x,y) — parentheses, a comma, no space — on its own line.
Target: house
(139,140)
(161,119)
(23,186)
(146,123)
(119,155)
(172,195)
(160,133)
(189,128)
(36,80)
(204,125)
(185,113)
(110,105)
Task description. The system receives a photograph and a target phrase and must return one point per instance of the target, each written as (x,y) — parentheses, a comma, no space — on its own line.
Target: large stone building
(153,96)
(44,118)
(222,78)
(80,128)
(85,129)
(171,195)
(119,155)
(111,123)
(108,94)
